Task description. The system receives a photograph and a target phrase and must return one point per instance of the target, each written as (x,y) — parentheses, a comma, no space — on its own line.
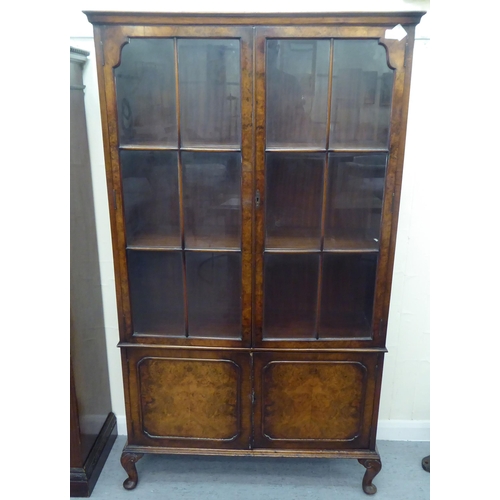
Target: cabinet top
(389,19)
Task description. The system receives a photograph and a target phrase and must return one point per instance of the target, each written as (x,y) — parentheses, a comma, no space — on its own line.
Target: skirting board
(388,430)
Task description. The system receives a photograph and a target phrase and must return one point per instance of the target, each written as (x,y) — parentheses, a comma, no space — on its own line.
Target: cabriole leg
(128,461)
(373,467)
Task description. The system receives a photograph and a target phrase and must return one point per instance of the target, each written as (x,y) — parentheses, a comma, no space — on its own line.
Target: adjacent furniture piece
(93,425)
(426,463)
(254,167)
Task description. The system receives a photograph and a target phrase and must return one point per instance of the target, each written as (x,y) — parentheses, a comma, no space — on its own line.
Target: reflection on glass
(214,294)
(354,202)
(209,87)
(294,191)
(155,280)
(290,292)
(348,291)
(151,198)
(212,199)
(297,92)
(361,95)
(145,93)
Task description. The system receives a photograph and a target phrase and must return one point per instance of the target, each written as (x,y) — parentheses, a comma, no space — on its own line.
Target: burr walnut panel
(315,407)
(324,401)
(316,400)
(190,397)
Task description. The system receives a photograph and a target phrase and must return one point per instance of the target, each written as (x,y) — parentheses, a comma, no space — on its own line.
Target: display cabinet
(254,167)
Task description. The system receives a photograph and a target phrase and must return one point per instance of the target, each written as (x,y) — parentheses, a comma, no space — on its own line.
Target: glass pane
(347,295)
(290,291)
(212,199)
(156,292)
(354,205)
(214,294)
(297,92)
(151,198)
(361,95)
(145,93)
(294,192)
(209,86)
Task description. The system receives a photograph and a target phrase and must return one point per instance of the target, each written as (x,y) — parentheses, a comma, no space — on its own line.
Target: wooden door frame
(398,60)
(112,38)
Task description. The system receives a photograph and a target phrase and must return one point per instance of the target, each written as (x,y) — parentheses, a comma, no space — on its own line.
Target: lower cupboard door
(188,398)
(316,401)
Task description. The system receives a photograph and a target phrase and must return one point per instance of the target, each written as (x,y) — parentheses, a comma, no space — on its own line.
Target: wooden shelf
(154,242)
(347,149)
(213,331)
(292,244)
(283,244)
(148,146)
(353,147)
(350,245)
(159,242)
(152,146)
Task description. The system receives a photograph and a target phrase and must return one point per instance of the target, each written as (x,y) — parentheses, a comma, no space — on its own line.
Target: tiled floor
(240,478)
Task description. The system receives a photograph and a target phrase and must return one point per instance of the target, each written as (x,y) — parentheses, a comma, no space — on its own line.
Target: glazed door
(323,139)
(190,189)
(182,166)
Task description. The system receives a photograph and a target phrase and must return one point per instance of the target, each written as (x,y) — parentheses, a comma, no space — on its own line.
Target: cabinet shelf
(351,245)
(188,149)
(292,244)
(154,242)
(157,242)
(212,331)
(347,149)
(283,244)
(147,146)
(355,148)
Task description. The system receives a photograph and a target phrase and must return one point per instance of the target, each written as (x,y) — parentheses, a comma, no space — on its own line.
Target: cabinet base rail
(369,459)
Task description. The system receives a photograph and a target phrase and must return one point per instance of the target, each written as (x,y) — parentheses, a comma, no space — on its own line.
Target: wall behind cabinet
(405,403)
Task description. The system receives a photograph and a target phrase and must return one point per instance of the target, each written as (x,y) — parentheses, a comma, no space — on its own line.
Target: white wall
(404,410)
(405,389)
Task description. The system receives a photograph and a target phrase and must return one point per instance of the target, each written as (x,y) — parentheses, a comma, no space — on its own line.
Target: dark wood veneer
(386,19)
(189,398)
